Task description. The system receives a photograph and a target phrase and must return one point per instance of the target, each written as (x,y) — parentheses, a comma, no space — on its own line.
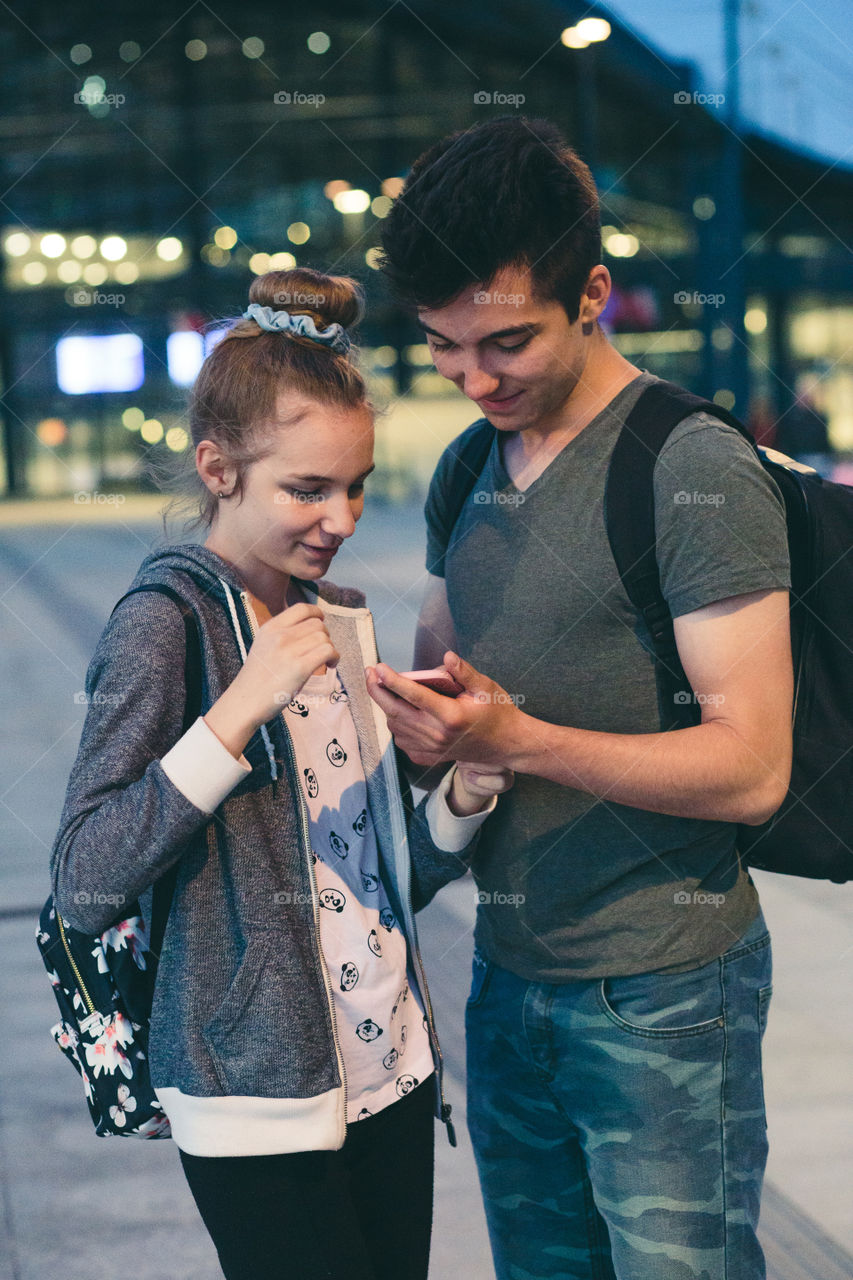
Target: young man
(622,964)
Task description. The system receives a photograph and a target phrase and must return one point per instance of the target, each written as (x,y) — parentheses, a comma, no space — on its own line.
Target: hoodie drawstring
(235,622)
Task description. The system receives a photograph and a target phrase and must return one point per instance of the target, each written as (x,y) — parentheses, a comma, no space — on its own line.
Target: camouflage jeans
(619,1124)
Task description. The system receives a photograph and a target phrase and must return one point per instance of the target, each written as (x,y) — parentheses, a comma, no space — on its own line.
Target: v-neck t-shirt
(572,886)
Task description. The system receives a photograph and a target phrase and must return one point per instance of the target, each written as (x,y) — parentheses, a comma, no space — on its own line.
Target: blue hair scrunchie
(335,336)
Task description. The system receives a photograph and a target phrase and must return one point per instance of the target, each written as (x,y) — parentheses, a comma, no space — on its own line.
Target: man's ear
(595,295)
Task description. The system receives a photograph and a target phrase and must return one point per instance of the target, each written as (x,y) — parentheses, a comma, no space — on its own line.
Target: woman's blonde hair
(239,383)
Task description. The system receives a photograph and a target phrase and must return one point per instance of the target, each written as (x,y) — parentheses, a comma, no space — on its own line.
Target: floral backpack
(104,983)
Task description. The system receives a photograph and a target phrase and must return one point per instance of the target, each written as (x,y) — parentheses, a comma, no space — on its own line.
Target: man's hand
(432,729)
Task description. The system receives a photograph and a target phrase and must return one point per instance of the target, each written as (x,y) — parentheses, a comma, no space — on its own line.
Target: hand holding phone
(438,679)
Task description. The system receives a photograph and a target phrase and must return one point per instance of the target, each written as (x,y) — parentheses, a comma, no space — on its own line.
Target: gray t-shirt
(571,886)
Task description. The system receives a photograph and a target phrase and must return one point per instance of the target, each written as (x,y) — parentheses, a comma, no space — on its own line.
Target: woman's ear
(218,474)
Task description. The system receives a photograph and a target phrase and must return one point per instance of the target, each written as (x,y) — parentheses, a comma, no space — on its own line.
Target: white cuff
(202,767)
(449,831)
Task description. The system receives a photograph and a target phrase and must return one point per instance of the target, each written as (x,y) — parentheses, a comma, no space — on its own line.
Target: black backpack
(811,834)
(104,984)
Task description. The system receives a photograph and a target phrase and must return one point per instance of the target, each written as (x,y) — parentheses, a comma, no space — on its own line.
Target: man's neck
(605,374)
(529,451)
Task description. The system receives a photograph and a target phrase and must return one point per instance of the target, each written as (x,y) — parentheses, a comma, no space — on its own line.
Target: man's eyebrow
(331,479)
(532,327)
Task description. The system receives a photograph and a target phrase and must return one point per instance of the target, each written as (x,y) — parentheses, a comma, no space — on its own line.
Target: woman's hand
(284,653)
(474,785)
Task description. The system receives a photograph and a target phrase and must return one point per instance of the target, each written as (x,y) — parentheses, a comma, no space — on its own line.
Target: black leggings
(361,1213)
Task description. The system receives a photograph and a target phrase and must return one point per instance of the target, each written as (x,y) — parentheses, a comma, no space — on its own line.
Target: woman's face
(303,498)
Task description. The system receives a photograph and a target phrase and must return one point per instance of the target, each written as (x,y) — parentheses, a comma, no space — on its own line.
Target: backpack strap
(469,452)
(629,514)
(164,888)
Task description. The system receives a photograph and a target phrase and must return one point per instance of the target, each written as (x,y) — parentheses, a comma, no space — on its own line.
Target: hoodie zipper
(392,787)
(315,898)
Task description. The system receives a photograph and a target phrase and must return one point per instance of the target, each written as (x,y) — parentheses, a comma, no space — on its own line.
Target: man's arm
(733,767)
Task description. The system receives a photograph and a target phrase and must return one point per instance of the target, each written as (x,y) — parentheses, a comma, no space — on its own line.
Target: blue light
(184,354)
(113,362)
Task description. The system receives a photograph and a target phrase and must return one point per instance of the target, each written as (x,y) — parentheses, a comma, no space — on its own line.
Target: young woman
(292,1044)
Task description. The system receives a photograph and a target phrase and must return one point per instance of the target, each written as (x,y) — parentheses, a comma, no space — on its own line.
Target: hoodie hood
(209,571)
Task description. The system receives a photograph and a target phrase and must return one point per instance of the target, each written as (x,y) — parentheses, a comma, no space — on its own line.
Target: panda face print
(339,695)
(389,1062)
(312,786)
(386,918)
(360,824)
(368,1031)
(349,976)
(297,708)
(405,1085)
(370,882)
(333,900)
(403,1034)
(336,754)
(373,943)
(363,1114)
(339,846)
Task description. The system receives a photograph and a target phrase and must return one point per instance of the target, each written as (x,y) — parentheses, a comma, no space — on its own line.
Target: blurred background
(154,157)
(152,162)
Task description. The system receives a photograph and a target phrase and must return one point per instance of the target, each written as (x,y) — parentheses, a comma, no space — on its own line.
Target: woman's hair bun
(301,291)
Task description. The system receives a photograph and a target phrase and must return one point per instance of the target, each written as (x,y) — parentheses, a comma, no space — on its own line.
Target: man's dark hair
(510,192)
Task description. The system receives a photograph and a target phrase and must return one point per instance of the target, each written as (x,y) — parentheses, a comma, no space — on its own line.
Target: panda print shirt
(378,1008)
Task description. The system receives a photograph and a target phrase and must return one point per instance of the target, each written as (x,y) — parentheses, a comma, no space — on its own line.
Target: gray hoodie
(242,1003)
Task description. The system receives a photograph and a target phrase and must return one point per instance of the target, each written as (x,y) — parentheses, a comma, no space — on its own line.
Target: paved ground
(91,1208)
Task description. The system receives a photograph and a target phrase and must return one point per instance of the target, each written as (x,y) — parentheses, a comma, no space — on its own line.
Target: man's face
(516,356)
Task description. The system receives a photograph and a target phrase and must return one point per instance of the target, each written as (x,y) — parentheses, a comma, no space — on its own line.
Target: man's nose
(477,384)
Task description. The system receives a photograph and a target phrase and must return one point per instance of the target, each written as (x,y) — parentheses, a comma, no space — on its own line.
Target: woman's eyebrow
(330,479)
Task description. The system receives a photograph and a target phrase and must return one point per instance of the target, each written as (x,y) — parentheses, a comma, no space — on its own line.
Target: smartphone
(438,679)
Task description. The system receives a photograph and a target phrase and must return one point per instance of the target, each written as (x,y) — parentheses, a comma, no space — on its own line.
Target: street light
(586,32)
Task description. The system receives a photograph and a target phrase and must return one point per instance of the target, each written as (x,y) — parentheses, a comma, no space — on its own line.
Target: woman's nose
(338,517)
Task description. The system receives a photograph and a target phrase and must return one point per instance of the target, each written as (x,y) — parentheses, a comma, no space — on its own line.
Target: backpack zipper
(90,1004)
(94,1017)
(306,847)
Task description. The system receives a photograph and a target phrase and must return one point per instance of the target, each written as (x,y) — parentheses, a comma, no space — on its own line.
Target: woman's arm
(124,822)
